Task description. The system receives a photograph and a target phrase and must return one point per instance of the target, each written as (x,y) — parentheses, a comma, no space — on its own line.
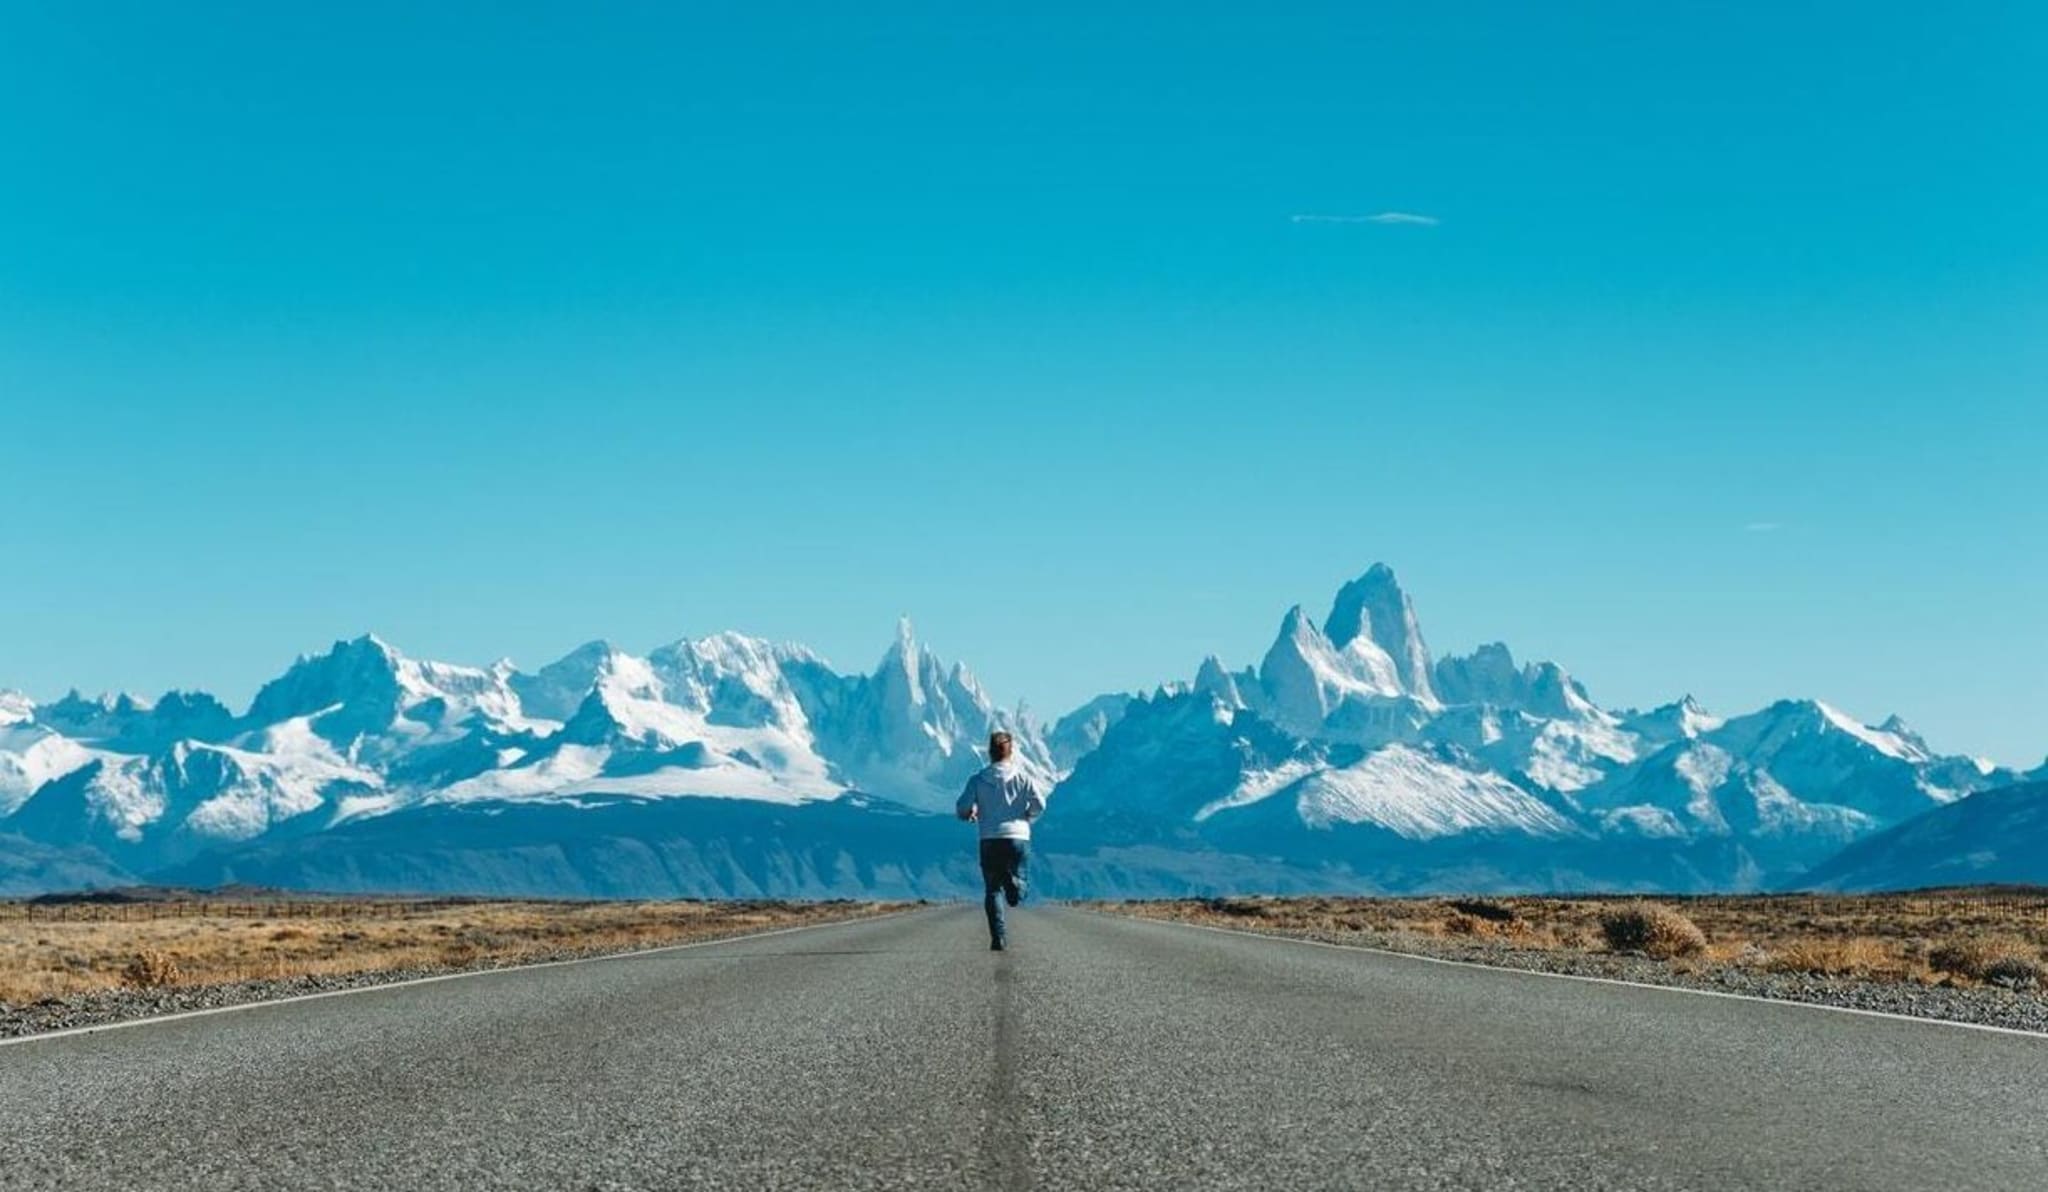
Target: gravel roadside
(2012,1009)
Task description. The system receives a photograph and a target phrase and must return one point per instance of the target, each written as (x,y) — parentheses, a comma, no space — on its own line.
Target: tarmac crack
(1004,1139)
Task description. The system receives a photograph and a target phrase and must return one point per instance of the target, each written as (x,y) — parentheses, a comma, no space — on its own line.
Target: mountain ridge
(1348,751)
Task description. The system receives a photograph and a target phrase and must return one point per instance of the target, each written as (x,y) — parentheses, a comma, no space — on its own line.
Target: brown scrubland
(1973,937)
(52,951)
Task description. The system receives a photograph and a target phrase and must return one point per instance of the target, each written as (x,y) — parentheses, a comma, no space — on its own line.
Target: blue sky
(497,329)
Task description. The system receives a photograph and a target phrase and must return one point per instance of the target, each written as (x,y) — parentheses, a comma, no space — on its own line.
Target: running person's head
(1000,746)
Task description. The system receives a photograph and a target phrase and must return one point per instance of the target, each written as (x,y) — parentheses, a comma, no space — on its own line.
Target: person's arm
(966,808)
(1034,799)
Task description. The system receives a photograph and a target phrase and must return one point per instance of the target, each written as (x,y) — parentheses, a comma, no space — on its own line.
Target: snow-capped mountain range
(1497,772)
(363,730)
(1348,756)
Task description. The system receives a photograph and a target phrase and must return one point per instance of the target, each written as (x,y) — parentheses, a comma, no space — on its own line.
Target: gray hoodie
(1006,801)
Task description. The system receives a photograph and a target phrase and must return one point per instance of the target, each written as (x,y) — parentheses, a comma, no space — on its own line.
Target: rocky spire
(1373,608)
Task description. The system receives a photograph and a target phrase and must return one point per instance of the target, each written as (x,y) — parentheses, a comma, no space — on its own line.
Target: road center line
(1004,1140)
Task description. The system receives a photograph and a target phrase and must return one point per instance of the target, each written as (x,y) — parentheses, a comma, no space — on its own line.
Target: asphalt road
(1098,1053)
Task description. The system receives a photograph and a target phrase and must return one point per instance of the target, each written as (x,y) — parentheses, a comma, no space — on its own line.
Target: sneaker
(1013,894)
(996,945)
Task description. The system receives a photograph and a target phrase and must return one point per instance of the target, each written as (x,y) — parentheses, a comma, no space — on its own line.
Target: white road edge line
(1503,968)
(379,987)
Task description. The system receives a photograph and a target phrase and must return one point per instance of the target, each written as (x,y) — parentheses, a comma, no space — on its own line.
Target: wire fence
(2027,904)
(147,911)
(96,909)
(1919,904)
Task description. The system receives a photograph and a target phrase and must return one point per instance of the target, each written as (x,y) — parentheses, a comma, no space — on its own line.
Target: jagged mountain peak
(1220,683)
(904,654)
(733,648)
(374,641)
(1305,679)
(1296,622)
(1552,692)
(1685,706)
(1075,735)
(75,707)
(366,688)
(1896,726)
(734,679)
(1681,719)
(595,650)
(714,675)
(365,666)
(1489,675)
(962,681)
(1374,608)
(129,723)
(911,675)
(1300,637)
(901,673)
(1787,718)
(367,653)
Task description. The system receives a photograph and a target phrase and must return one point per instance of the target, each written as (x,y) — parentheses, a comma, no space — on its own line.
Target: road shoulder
(120,1008)
(1983,1009)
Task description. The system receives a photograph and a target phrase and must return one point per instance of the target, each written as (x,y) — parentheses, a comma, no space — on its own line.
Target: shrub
(1655,931)
(2000,962)
(1963,958)
(1242,907)
(2015,972)
(1461,923)
(152,969)
(1487,909)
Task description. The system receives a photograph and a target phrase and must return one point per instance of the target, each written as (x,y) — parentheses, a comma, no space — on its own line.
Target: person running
(1003,800)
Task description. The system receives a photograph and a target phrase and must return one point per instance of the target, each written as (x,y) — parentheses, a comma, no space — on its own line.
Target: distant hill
(1995,837)
(30,867)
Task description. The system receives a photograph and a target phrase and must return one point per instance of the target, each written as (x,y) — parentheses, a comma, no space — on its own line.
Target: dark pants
(1002,877)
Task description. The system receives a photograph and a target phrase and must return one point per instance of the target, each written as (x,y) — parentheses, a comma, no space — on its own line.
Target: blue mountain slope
(1996,837)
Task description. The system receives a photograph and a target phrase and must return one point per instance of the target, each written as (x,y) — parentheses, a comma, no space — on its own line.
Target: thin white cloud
(1408,218)
(1763,527)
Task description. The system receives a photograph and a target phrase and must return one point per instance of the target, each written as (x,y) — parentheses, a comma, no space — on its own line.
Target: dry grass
(42,957)
(1965,938)
(1857,956)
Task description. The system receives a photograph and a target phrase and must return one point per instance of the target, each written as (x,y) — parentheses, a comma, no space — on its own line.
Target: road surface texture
(1100,1052)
